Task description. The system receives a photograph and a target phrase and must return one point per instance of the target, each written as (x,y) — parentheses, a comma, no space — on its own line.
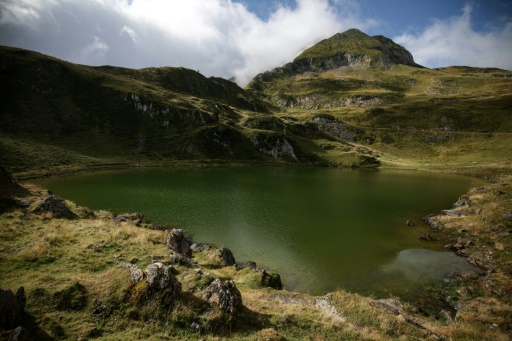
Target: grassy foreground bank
(77,282)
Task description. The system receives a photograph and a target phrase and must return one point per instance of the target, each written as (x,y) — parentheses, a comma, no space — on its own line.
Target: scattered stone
(507,216)
(452,213)
(478,211)
(135,218)
(426,236)
(271,280)
(55,205)
(431,220)
(12,307)
(409,223)
(226,257)
(224,295)
(177,242)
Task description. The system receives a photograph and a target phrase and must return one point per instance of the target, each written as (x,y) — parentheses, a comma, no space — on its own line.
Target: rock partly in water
(178,243)
(426,236)
(56,206)
(271,280)
(12,307)
(225,295)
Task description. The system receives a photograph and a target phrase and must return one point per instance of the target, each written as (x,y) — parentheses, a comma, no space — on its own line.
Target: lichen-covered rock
(225,295)
(177,242)
(271,280)
(55,205)
(12,307)
(160,278)
(136,274)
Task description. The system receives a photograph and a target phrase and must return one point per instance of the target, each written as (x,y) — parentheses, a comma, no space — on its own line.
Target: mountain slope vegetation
(349,101)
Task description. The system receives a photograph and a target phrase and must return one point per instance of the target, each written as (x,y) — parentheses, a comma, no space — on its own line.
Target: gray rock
(178,258)
(55,205)
(161,279)
(177,242)
(248,264)
(426,236)
(135,218)
(12,307)
(452,213)
(390,305)
(463,201)
(136,274)
(226,257)
(224,295)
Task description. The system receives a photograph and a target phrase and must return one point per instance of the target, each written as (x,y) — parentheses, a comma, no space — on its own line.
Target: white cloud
(217,37)
(25,12)
(455,42)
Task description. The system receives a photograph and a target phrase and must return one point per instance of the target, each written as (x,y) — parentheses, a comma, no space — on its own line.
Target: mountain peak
(356,48)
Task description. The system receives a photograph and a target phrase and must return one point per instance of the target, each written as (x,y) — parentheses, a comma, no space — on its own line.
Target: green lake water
(321,229)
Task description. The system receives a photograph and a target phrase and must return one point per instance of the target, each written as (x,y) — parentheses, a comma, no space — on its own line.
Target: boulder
(55,205)
(271,280)
(136,274)
(226,257)
(177,242)
(135,218)
(12,307)
(224,295)
(160,278)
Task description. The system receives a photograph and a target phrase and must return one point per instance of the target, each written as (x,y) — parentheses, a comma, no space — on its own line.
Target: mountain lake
(321,229)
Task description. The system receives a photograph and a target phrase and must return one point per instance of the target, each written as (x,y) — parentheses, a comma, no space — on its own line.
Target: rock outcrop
(178,243)
(225,295)
(56,206)
(271,280)
(275,145)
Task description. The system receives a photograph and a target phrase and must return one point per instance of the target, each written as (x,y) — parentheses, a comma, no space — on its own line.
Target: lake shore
(481,303)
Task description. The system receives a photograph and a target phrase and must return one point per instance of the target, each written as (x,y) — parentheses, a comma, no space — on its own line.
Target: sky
(241,38)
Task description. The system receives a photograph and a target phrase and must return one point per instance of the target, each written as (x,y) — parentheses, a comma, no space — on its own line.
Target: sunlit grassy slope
(351,100)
